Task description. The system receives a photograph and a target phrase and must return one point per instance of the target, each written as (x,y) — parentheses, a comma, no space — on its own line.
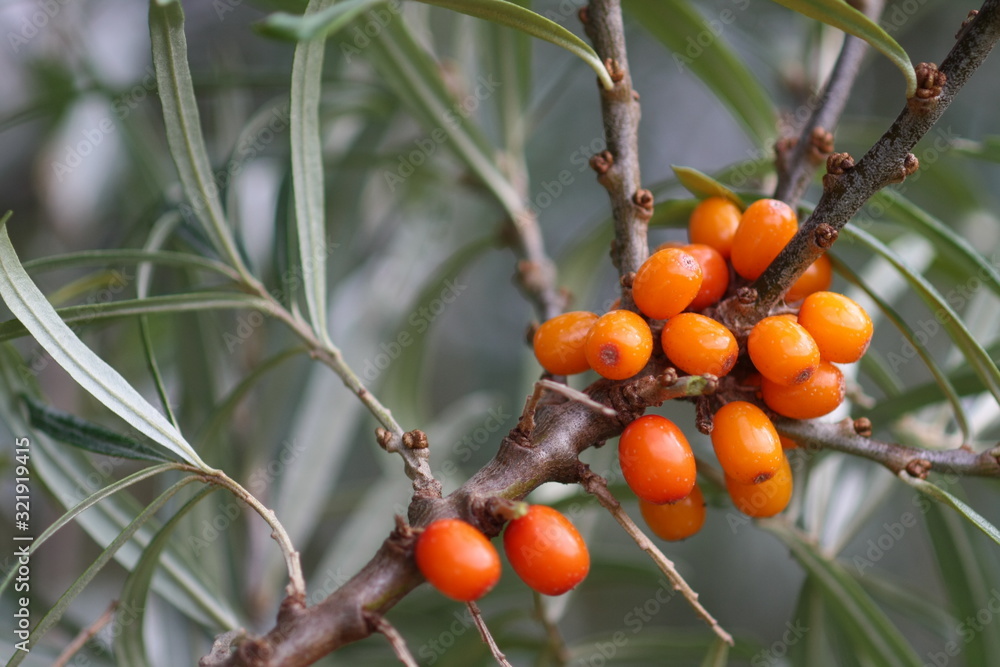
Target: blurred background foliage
(422,302)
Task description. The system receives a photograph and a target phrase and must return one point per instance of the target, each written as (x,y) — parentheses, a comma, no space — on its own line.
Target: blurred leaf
(128,256)
(514,16)
(183,126)
(83,505)
(170,303)
(718,654)
(702,185)
(943,382)
(988,149)
(937,493)
(92,437)
(53,615)
(130,645)
(857,612)
(673,213)
(908,602)
(320,23)
(973,351)
(307,174)
(673,22)
(28,304)
(843,16)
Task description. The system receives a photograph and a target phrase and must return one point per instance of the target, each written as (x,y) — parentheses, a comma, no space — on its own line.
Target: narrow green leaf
(673,23)
(702,185)
(307,172)
(128,256)
(130,647)
(29,305)
(72,430)
(170,303)
(83,505)
(940,377)
(517,17)
(57,610)
(718,654)
(842,592)
(937,493)
(318,24)
(183,126)
(944,314)
(843,16)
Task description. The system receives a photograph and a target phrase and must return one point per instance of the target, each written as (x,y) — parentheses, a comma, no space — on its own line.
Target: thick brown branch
(886,162)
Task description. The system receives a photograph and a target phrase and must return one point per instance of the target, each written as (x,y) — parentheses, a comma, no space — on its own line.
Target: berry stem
(598,487)
(845,193)
(484,633)
(399,647)
(797,168)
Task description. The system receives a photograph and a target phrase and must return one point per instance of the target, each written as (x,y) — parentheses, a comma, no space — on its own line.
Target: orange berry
(677,520)
(713,223)
(746,443)
(817,396)
(656,460)
(765,229)
(787,443)
(546,551)
(699,345)
(840,327)
(457,559)
(715,275)
(765,499)
(818,277)
(619,344)
(666,283)
(559,342)
(783,350)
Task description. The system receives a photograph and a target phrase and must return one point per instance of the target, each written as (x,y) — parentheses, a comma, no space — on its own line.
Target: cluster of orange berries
(542,546)
(791,357)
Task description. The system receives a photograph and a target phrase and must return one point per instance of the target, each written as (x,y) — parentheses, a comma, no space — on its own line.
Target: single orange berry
(656,460)
(559,342)
(840,327)
(817,396)
(699,345)
(677,520)
(619,344)
(457,559)
(715,275)
(765,499)
(546,551)
(713,223)
(783,350)
(666,283)
(746,443)
(818,277)
(765,229)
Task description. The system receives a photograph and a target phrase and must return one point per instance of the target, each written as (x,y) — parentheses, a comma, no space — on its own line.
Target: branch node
(584,15)
(863,427)
(966,23)
(704,420)
(602,162)
(930,82)
(643,199)
(667,378)
(415,439)
(820,146)
(837,165)
(503,510)
(627,279)
(385,439)
(918,468)
(746,295)
(615,70)
(825,235)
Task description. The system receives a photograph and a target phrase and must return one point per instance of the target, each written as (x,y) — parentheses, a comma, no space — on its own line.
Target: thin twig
(598,487)
(484,633)
(85,636)
(556,641)
(578,396)
(801,162)
(395,640)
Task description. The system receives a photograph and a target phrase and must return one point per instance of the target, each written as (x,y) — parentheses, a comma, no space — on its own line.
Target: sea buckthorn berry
(619,344)
(699,345)
(765,229)
(457,559)
(746,443)
(546,551)
(714,272)
(840,327)
(656,460)
(559,342)
(666,283)
(817,396)
(678,520)
(782,350)
(818,277)
(765,499)
(713,223)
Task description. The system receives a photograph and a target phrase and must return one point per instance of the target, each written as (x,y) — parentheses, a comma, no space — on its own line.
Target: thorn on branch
(966,23)
(930,82)
(825,235)
(643,199)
